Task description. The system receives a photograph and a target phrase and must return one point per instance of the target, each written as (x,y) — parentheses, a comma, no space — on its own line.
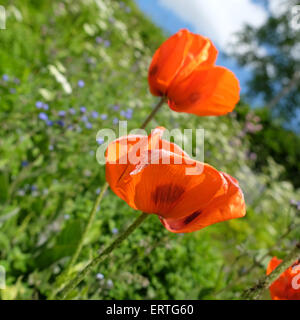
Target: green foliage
(64,246)
(282,144)
(272,53)
(49,177)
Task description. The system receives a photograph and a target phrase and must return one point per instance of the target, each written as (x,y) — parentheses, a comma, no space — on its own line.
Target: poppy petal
(228,205)
(178,57)
(201,54)
(273,264)
(282,288)
(122,157)
(156,193)
(166,62)
(206,92)
(117,160)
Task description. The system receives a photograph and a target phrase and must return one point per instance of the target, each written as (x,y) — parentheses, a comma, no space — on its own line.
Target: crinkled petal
(228,205)
(206,92)
(177,57)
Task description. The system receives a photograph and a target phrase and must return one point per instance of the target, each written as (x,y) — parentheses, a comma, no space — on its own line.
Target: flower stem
(153,113)
(87,227)
(102,256)
(63,276)
(256,292)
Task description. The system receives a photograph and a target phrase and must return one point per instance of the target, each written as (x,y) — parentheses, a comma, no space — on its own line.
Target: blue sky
(214,18)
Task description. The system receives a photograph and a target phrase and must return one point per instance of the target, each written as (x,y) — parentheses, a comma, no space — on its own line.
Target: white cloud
(278,7)
(217,19)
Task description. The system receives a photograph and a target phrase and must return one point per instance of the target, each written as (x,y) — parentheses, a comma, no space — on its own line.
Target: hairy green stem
(87,227)
(153,113)
(102,256)
(62,277)
(256,292)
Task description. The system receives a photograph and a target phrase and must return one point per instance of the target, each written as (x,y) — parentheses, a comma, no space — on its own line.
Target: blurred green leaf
(4,187)
(65,245)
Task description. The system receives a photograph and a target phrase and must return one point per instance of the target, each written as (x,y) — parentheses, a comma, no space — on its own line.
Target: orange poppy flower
(287,286)
(150,174)
(183,69)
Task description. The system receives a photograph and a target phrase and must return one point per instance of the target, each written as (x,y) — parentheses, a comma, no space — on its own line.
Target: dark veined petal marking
(194,97)
(192,217)
(153,70)
(167,193)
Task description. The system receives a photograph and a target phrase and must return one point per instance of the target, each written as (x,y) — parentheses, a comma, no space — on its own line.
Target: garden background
(70,68)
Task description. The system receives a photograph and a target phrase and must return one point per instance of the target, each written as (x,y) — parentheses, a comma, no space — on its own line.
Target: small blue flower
(24,163)
(51,147)
(103,116)
(122,113)
(115,231)
(115,121)
(84,119)
(72,111)
(39,104)
(99,40)
(100,140)
(33,188)
(5,77)
(99,276)
(98,190)
(116,107)
(94,114)
(83,109)
(61,113)
(43,116)
(45,106)
(60,123)
(106,43)
(129,113)
(49,123)
(80,83)
(88,125)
